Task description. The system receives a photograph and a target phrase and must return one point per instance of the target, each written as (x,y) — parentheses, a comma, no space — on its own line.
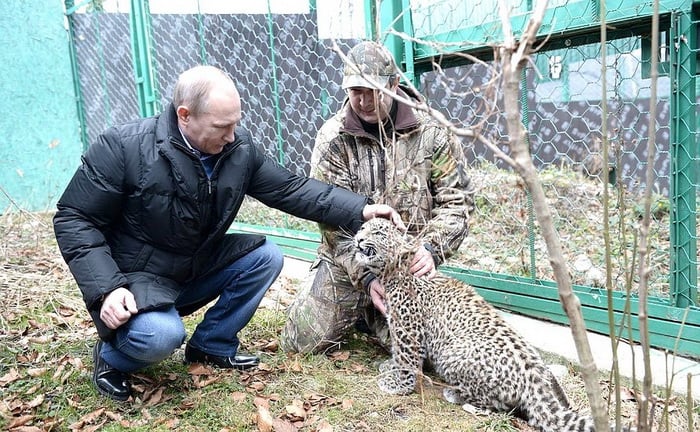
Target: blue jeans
(150,337)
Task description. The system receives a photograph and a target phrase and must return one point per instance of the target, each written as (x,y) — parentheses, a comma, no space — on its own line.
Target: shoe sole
(100,390)
(208,363)
(211,363)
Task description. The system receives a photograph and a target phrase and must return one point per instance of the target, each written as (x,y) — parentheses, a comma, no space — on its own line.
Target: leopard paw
(471,409)
(387,366)
(390,382)
(452,395)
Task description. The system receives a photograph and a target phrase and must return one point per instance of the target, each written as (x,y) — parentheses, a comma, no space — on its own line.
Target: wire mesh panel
(103,50)
(289,80)
(563,111)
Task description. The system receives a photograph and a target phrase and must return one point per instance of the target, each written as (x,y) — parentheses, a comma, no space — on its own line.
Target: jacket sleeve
(305,197)
(90,202)
(453,196)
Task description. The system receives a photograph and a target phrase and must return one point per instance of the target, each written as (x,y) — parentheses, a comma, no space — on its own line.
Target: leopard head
(382,247)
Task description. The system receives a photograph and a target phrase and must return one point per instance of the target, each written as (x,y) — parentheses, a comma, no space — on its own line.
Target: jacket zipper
(382,167)
(371,170)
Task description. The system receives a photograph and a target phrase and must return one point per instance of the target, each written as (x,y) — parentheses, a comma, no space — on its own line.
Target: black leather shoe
(239,361)
(107,380)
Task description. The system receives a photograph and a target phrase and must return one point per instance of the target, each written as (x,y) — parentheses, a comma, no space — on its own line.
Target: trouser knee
(320,315)
(153,336)
(271,255)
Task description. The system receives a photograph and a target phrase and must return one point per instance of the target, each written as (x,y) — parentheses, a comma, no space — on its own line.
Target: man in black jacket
(143,227)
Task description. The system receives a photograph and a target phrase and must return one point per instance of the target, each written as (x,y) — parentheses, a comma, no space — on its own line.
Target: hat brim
(366,81)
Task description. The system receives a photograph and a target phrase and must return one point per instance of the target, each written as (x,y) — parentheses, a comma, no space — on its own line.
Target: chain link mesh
(289,80)
(563,111)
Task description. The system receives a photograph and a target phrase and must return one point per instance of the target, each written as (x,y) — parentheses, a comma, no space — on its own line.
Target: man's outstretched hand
(382,210)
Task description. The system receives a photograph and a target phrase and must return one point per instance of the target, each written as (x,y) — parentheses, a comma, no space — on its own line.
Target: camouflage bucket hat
(368,64)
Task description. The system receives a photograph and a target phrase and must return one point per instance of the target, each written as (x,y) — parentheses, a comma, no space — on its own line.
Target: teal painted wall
(39,125)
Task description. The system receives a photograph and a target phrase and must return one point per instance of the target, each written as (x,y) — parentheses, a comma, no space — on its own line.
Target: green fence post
(275,86)
(144,70)
(683,151)
(70,10)
(371,30)
(409,58)
(396,15)
(200,30)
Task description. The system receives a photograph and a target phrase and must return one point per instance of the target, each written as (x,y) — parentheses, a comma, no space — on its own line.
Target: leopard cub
(485,363)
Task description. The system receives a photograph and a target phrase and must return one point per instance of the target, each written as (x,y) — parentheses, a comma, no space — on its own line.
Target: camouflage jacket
(418,168)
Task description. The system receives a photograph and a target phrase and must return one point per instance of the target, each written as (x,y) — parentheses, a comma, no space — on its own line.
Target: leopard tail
(545,406)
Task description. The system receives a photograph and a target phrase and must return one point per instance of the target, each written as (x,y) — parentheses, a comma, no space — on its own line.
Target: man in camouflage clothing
(393,154)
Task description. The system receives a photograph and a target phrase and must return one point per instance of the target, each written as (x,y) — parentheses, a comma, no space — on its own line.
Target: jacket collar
(169,131)
(166,128)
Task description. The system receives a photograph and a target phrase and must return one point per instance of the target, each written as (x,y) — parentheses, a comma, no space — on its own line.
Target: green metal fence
(563,86)
(289,77)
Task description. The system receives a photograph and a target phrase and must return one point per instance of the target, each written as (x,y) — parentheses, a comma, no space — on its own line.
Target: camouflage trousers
(326,307)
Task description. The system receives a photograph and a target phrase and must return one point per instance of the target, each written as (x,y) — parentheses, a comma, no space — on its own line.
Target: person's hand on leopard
(382,210)
(378,296)
(423,264)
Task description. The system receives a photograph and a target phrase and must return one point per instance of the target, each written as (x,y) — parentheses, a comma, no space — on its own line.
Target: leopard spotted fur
(485,363)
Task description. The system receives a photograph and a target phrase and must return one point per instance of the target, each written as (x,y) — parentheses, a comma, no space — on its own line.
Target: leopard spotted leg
(387,366)
(407,352)
(455,396)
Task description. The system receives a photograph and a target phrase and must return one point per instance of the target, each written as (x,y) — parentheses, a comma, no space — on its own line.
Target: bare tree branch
(513,56)
(645,420)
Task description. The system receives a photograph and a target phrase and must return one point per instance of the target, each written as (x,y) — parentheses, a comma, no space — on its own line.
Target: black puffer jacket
(141,212)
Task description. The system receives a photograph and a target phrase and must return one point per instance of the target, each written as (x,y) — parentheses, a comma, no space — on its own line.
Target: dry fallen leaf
(36,372)
(271,346)
(358,368)
(9,377)
(294,366)
(36,401)
(282,425)
(155,397)
(264,419)
(239,396)
(19,421)
(27,429)
(87,419)
(41,339)
(296,410)
(199,369)
(261,402)
(255,387)
(339,355)
(264,367)
(94,428)
(113,416)
(324,426)
(205,381)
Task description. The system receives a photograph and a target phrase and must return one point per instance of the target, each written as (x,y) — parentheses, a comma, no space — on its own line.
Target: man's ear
(395,80)
(183,113)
